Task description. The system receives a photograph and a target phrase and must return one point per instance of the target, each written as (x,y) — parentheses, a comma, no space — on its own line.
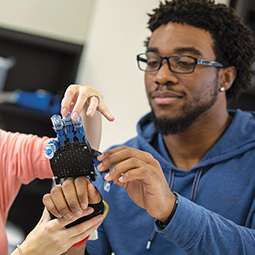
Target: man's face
(178,100)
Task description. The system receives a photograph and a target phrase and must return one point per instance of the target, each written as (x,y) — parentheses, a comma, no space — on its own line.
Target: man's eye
(152,63)
(184,64)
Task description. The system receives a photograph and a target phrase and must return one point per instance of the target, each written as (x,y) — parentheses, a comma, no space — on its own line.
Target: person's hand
(72,198)
(81,97)
(51,236)
(141,175)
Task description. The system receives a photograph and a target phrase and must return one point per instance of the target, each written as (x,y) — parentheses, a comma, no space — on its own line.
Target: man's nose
(164,75)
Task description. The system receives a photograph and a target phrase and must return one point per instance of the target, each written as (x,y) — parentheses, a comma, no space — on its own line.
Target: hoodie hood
(236,140)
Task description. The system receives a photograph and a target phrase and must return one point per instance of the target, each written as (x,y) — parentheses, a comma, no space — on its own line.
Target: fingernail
(78,213)
(83,206)
(59,215)
(100,218)
(90,112)
(89,210)
(100,167)
(100,156)
(75,115)
(107,176)
(69,216)
(121,178)
(64,111)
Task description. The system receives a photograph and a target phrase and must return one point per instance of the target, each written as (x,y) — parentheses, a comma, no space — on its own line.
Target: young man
(185,184)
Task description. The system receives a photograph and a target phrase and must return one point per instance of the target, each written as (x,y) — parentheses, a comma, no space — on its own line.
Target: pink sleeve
(22,159)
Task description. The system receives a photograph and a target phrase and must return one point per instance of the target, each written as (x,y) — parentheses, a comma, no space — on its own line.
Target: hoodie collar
(238,138)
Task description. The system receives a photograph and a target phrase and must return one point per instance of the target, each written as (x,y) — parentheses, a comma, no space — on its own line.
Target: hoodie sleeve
(199,231)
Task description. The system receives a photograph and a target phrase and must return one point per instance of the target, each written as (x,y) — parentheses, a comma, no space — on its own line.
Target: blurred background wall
(65,20)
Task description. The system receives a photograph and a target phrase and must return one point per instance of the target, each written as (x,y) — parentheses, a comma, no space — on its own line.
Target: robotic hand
(71,154)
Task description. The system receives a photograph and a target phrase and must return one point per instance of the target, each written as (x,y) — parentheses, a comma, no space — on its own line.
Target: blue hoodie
(216,210)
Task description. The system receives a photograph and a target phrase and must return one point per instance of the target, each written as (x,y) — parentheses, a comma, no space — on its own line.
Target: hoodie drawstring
(195,184)
(170,182)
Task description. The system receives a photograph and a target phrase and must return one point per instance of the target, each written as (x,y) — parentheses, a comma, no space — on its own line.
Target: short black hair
(233,41)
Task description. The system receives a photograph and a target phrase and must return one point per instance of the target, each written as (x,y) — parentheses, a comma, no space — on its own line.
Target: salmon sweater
(21,160)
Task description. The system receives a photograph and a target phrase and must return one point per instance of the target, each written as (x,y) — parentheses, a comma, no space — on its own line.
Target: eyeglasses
(151,62)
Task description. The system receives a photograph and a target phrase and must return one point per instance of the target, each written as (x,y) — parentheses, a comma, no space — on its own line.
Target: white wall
(65,20)
(116,35)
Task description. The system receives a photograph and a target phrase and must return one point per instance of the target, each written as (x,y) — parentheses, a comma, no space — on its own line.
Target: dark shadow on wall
(245,9)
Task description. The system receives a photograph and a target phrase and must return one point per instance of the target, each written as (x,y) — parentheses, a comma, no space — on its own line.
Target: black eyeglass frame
(198,61)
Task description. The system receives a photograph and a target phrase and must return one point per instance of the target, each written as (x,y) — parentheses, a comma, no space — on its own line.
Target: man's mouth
(165,97)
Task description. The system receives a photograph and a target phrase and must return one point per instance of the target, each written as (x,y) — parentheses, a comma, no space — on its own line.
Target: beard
(190,112)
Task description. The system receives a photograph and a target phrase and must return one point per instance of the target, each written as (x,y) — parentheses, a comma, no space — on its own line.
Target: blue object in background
(40,100)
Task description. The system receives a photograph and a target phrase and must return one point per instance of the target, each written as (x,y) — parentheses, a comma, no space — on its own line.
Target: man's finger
(81,184)
(70,195)
(60,203)
(94,194)
(47,201)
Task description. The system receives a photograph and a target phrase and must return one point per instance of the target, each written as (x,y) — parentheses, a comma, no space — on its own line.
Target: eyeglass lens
(152,62)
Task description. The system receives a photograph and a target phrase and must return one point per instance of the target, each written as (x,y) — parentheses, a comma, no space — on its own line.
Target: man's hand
(141,175)
(72,198)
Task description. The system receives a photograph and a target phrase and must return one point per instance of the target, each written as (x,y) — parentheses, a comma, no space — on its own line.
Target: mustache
(167,91)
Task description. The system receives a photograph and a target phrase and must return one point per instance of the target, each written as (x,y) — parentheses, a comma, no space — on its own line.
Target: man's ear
(227,76)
